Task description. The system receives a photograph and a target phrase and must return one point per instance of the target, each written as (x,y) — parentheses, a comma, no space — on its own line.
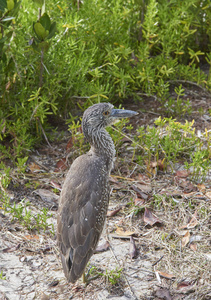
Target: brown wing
(82,209)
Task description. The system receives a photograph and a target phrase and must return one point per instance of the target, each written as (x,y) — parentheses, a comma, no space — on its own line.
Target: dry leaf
(208,255)
(3,126)
(111,213)
(52,284)
(121,232)
(146,188)
(76,288)
(189,187)
(193,246)
(47,195)
(185,285)
(208,194)
(185,239)
(196,238)
(70,144)
(149,218)
(34,167)
(102,248)
(186,185)
(56,185)
(8,85)
(193,222)
(166,275)
(11,249)
(113,179)
(153,164)
(139,202)
(143,179)
(133,249)
(161,164)
(46,249)
(183,173)
(31,237)
(173,193)
(140,194)
(202,188)
(61,165)
(163,293)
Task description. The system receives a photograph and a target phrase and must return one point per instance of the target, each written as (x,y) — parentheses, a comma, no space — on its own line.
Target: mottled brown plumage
(85,194)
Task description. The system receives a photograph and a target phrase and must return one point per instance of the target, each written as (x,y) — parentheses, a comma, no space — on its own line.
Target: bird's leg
(83,277)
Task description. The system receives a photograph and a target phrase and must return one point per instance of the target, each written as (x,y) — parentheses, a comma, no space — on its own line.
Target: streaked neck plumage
(101,145)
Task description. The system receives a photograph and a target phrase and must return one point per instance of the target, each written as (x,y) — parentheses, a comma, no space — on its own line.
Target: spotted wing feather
(82,209)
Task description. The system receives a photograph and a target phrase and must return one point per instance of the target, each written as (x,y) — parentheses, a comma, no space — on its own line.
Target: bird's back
(82,210)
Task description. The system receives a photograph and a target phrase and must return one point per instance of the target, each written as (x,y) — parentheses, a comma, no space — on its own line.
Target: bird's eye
(106,113)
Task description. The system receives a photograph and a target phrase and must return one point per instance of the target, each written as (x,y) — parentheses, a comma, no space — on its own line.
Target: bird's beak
(122,113)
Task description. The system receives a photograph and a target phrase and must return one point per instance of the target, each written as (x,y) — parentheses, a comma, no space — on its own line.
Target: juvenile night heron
(85,194)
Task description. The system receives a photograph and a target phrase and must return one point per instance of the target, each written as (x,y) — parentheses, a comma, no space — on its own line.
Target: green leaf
(45,21)
(44,45)
(9,34)
(3,5)
(16,8)
(10,4)
(2,40)
(52,30)
(39,2)
(40,31)
(35,46)
(4,58)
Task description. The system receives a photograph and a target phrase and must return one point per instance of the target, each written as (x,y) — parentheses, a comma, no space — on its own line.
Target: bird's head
(102,115)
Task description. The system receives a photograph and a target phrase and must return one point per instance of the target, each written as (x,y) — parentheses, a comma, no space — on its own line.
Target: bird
(84,197)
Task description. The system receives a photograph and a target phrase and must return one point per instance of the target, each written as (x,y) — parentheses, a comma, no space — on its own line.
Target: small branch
(41,68)
(39,13)
(44,134)
(2,30)
(128,138)
(158,260)
(79,97)
(17,68)
(78,4)
(4,15)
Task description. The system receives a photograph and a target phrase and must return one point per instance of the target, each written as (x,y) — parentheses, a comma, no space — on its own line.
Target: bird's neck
(103,146)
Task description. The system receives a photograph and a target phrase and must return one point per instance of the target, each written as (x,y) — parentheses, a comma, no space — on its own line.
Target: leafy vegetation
(172,141)
(1,276)
(21,211)
(112,276)
(55,55)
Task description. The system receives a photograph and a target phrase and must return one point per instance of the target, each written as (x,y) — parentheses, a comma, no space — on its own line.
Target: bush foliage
(56,54)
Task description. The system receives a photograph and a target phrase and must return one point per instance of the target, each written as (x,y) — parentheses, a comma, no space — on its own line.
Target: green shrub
(171,142)
(54,54)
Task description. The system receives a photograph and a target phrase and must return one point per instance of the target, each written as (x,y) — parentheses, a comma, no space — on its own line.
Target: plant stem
(41,68)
